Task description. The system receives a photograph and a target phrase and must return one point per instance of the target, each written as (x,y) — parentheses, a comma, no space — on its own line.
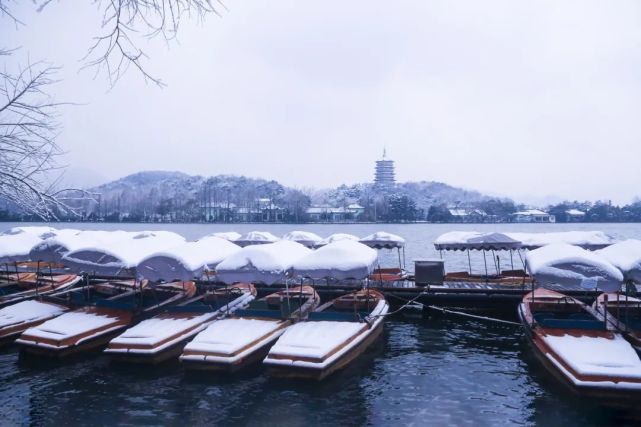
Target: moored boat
(106,310)
(231,344)
(332,337)
(24,286)
(622,313)
(578,348)
(163,336)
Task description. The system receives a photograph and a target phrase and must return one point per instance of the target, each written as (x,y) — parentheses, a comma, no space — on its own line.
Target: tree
(401,208)
(439,213)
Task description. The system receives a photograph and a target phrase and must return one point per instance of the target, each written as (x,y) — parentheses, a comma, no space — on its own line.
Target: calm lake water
(423,371)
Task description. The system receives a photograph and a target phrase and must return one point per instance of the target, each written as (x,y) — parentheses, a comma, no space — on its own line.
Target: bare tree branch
(28,149)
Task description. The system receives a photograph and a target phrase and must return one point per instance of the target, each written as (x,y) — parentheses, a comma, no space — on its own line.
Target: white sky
(522,99)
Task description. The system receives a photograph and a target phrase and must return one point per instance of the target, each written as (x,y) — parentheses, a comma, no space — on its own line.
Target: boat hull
(93,344)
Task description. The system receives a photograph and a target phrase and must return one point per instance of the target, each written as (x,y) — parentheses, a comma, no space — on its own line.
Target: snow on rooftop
(474,240)
(344,259)
(117,257)
(52,249)
(227,235)
(529,212)
(565,264)
(626,256)
(575,212)
(382,239)
(187,260)
(306,238)
(256,238)
(261,263)
(336,238)
(36,230)
(16,247)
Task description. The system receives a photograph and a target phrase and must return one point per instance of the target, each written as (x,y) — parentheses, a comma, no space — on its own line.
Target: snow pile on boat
(474,240)
(186,261)
(28,311)
(565,264)
(161,328)
(337,237)
(53,248)
(626,256)
(69,325)
(122,256)
(229,336)
(16,243)
(261,263)
(256,238)
(597,356)
(227,235)
(382,239)
(305,238)
(344,259)
(315,339)
(586,239)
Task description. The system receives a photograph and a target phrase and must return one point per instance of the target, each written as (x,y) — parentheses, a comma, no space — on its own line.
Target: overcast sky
(522,99)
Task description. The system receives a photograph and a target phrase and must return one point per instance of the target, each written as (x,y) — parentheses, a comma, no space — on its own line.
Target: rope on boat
(458,313)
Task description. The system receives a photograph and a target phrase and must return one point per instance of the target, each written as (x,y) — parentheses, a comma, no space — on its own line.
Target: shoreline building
(384,172)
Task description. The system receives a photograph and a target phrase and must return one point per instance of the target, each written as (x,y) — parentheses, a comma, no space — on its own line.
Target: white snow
(159,328)
(261,263)
(339,260)
(16,247)
(28,311)
(52,249)
(187,260)
(315,339)
(228,336)
(382,239)
(578,238)
(70,324)
(256,238)
(306,238)
(227,235)
(626,256)
(567,264)
(35,230)
(336,238)
(598,356)
(457,237)
(113,257)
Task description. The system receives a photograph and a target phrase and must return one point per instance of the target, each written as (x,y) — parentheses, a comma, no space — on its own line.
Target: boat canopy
(227,235)
(336,238)
(473,240)
(17,242)
(305,238)
(344,259)
(563,264)
(266,264)
(590,240)
(122,256)
(626,256)
(187,260)
(256,238)
(52,249)
(381,239)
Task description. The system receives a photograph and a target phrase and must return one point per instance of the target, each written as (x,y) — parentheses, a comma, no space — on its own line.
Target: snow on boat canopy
(16,243)
(381,239)
(305,238)
(52,249)
(186,261)
(227,235)
(560,263)
(266,264)
(122,256)
(256,238)
(626,256)
(472,240)
(344,259)
(336,238)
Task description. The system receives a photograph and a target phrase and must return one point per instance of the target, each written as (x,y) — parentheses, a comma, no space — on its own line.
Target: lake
(441,370)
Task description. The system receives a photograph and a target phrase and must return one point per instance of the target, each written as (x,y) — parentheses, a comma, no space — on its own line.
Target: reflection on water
(440,370)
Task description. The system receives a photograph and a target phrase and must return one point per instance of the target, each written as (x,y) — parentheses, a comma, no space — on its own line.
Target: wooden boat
(163,336)
(106,310)
(505,277)
(230,344)
(334,335)
(23,286)
(623,313)
(577,348)
(383,275)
